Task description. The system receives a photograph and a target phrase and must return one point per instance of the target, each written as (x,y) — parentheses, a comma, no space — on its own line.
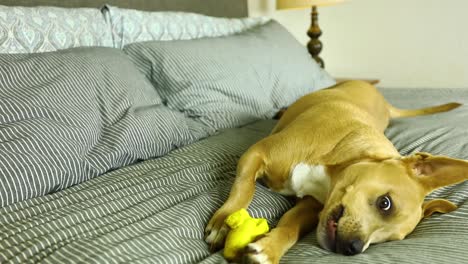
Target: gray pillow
(68,116)
(233,80)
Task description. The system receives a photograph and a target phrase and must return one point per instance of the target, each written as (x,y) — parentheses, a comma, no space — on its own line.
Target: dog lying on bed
(329,150)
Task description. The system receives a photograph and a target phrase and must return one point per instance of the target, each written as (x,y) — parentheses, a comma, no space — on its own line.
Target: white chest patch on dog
(309,180)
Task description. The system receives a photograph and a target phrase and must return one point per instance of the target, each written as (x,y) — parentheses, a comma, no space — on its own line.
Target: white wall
(404,43)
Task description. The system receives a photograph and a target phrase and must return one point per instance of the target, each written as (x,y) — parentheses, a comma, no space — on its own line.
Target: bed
(118,167)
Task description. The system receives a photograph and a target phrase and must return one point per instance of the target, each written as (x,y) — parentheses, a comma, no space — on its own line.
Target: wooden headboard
(221,8)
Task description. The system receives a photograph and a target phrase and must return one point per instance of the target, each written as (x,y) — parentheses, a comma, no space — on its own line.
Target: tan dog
(329,150)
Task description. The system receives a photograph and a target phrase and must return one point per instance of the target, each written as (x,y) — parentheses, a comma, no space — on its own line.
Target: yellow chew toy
(244,229)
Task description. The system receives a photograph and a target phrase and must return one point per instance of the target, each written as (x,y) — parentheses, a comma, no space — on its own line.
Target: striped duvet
(71,115)
(155,211)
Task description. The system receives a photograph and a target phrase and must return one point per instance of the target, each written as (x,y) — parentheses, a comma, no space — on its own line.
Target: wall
(404,43)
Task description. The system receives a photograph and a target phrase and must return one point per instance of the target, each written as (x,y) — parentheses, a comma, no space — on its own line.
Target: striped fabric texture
(230,81)
(155,211)
(151,212)
(68,116)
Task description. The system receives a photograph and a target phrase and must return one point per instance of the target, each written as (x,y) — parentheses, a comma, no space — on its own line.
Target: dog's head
(377,201)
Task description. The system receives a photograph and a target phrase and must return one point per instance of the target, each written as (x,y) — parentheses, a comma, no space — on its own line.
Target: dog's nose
(353,247)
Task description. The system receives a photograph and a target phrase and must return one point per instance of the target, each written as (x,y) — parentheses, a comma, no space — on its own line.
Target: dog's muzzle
(349,247)
(335,242)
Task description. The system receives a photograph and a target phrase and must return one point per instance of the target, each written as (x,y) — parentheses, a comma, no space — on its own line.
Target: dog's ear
(433,172)
(437,206)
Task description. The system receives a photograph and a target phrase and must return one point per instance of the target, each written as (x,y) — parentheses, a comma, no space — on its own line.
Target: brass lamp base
(315,45)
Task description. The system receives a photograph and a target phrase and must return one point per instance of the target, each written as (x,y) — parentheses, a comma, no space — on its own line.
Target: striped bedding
(71,115)
(233,80)
(155,211)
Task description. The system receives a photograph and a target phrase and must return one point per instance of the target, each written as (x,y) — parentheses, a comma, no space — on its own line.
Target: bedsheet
(155,211)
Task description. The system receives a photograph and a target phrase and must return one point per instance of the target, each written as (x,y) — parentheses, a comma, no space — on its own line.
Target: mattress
(155,211)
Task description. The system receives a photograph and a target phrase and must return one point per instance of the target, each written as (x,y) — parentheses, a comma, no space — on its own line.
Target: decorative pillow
(40,29)
(71,115)
(129,26)
(230,81)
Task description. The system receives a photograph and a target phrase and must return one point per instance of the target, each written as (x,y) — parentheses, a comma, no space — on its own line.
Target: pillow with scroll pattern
(129,25)
(42,29)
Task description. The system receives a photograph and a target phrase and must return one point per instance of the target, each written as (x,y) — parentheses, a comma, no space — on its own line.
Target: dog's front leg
(250,166)
(299,220)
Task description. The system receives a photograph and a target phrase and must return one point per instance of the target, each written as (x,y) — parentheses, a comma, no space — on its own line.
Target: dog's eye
(384,203)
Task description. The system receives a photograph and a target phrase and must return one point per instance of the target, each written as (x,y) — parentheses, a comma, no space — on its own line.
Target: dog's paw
(260,252)
(216,230)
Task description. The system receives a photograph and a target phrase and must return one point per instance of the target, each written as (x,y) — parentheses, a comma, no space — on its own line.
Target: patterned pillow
(129,26)
(233,80)
(40,29)
(71,115)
